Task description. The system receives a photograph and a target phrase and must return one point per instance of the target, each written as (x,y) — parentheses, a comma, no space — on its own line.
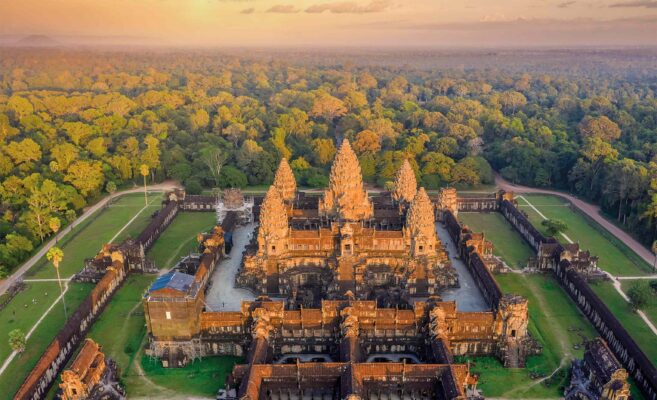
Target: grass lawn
(615,257)
(180,238)
(554,320)
(509,245)
(651,307)
(630,320)
(18,370)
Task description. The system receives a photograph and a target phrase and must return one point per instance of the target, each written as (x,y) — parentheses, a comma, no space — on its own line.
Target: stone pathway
(468,297)
(222,294)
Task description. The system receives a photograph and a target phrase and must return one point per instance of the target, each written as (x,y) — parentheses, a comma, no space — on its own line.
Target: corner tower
(273,230)
(420,227)
(284,181)
(405,184)
(345,197)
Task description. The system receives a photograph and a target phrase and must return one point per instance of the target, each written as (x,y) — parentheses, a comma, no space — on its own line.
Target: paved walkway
(222,294)
(468,296)
(17,274)
(589,209)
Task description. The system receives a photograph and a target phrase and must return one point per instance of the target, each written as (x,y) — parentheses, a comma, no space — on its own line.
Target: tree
(214,159)
(512,100)
(599,127)
(25,151)
(328,107)
(554,226)
(143,169)
(110,188)
(639,295)
(232,177)
(17,340)
(654,251)
(367,141)
(54,224)
(86,176)
(56,255)
(64,154)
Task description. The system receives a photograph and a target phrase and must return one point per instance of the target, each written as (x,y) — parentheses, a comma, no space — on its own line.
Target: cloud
(566,4)
(350,7)
(248,11)
(283,9)
(636,4)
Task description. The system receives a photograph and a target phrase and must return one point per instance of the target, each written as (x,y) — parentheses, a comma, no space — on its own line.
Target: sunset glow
(477,23)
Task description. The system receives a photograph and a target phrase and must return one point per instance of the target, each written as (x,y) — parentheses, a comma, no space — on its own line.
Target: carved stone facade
(316,248)
(598,376)
(90,376)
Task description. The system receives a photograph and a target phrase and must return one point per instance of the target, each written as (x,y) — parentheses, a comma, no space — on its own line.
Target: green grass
(554,320)
(651,307)
(615,257)
(508,243)
(95,232)
(640,332)
(21,366)
(180,238)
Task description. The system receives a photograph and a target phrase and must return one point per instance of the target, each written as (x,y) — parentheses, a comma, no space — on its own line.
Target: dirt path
(589,209)
(17,274)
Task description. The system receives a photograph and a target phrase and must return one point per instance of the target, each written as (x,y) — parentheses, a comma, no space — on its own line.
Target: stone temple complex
(383,248)
(347,299)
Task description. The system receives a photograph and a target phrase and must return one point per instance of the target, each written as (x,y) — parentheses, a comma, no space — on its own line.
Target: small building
(85,372)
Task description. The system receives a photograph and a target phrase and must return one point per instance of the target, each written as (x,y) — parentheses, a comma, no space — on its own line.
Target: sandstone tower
(284,181)
(273,232)
(420,229)
(511,328)
(345,197)
(405,184)
(448,201)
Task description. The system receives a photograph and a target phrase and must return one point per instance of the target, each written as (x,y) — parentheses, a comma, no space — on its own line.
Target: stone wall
(617,337)
(619,340)
(54,359)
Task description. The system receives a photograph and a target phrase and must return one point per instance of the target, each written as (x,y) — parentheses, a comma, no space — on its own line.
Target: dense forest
(76,125)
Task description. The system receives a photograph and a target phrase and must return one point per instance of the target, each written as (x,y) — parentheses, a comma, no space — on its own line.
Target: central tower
(345,197)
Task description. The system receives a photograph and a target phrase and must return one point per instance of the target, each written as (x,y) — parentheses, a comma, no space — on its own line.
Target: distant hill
(37,41)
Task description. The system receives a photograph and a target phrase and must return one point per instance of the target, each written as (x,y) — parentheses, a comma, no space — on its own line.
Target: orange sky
(478,23)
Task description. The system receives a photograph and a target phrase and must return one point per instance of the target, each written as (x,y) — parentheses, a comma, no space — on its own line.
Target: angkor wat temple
(362,315)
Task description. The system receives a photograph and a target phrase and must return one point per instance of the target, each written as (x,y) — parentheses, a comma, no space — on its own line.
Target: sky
(341,23)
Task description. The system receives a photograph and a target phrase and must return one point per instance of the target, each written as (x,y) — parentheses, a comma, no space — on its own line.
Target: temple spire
(273,230)
(284,181)
(420,226)
(346,198)
(405,184)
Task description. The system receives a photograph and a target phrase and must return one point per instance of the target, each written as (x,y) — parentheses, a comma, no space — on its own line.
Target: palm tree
(654,251)
(55,254)
(144,173)
(54,223)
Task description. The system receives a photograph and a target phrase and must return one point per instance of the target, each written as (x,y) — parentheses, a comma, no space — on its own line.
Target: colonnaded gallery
(349,288)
